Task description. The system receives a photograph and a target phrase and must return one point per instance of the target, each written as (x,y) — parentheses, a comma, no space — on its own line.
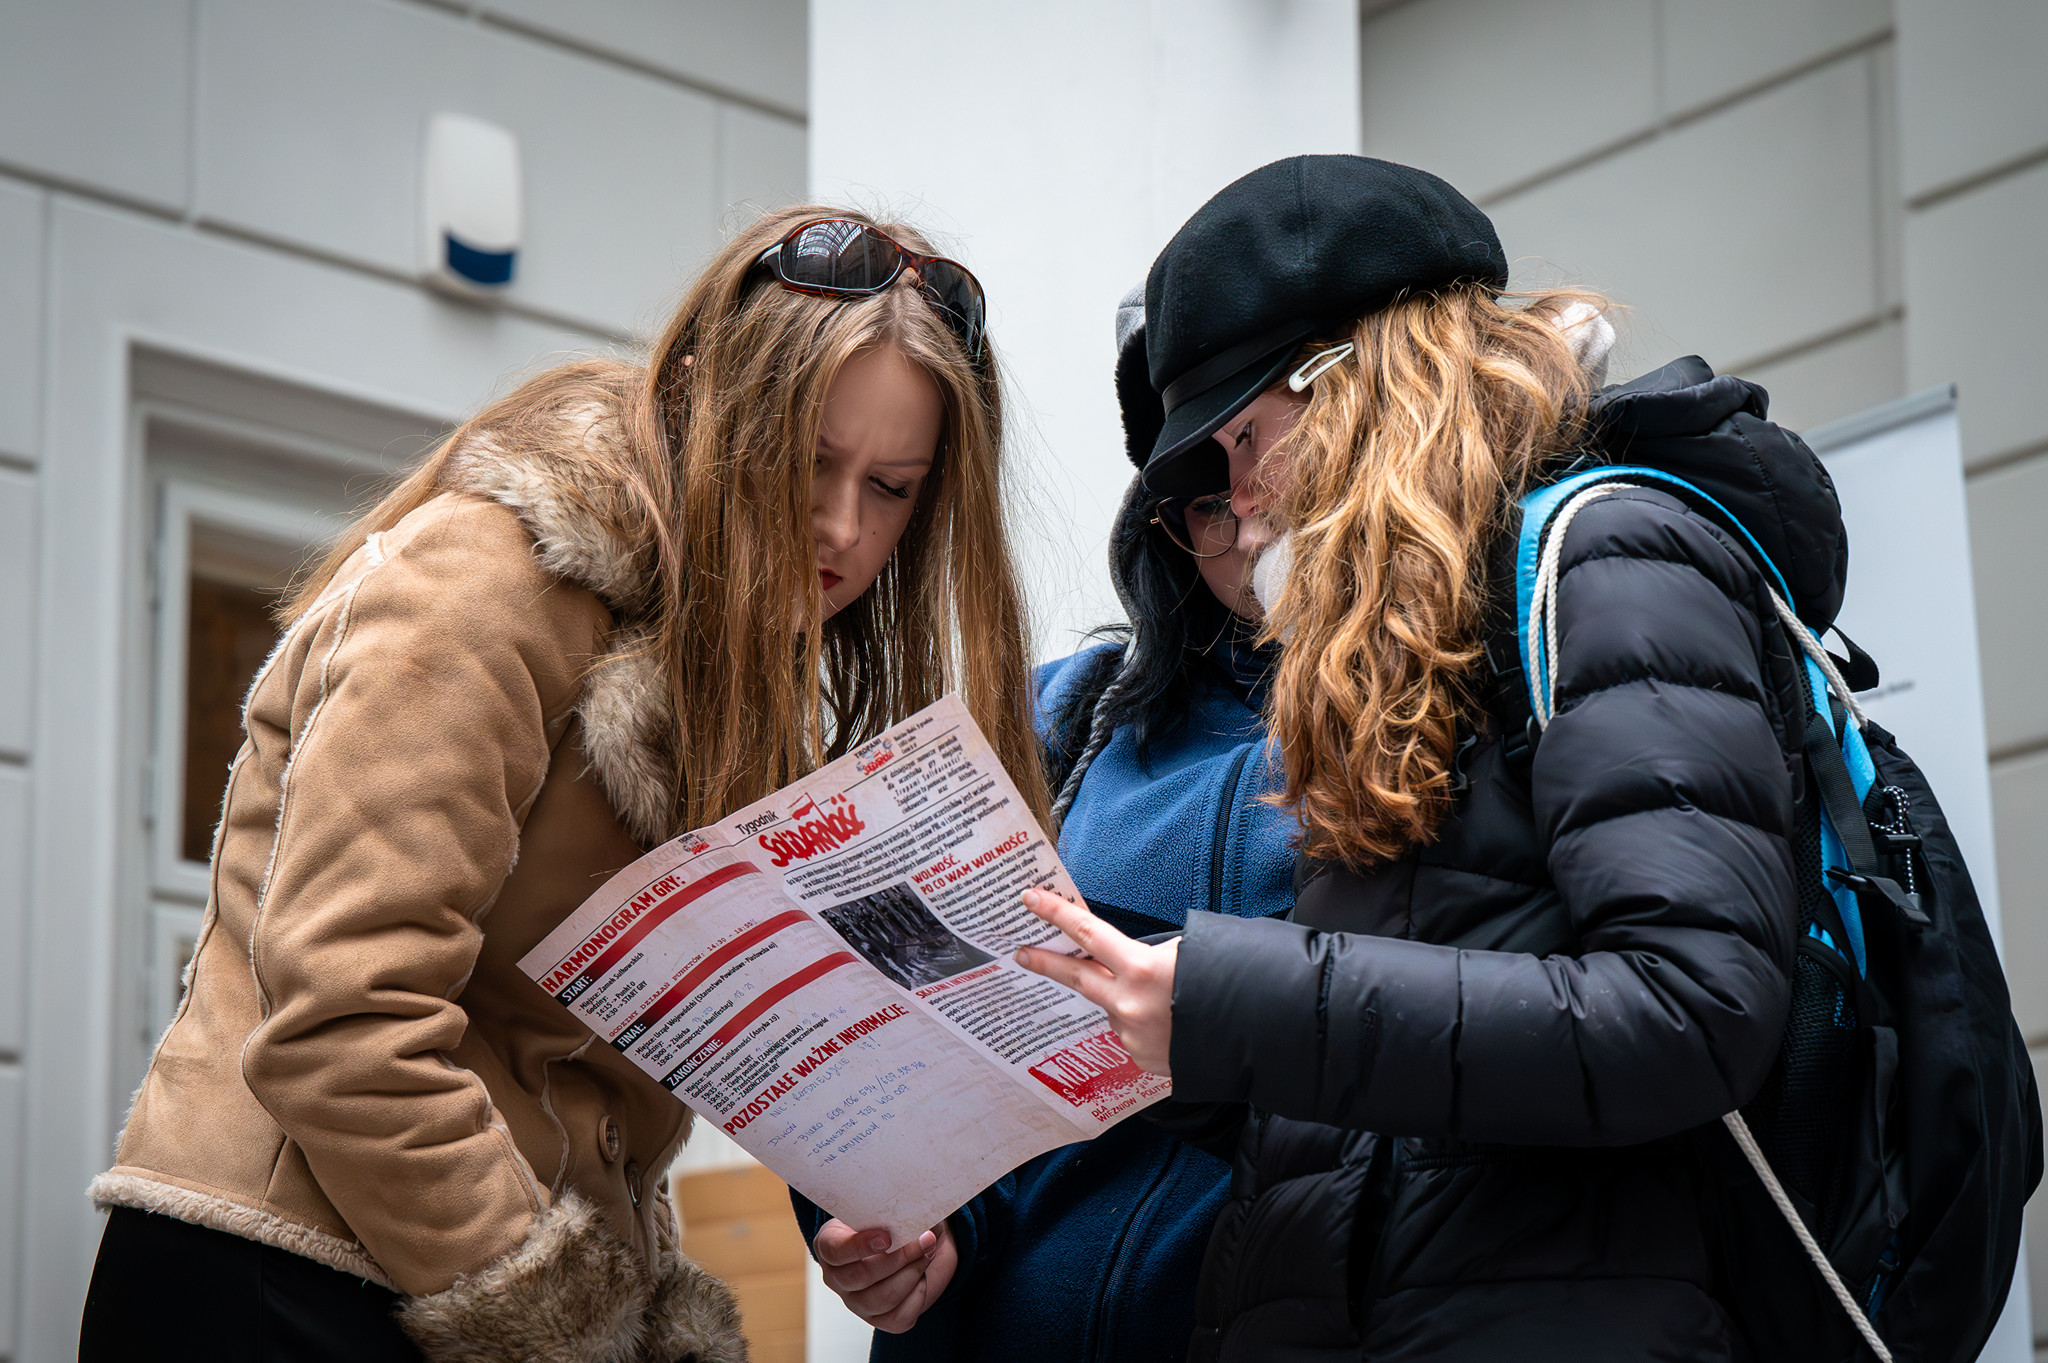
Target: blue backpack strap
(1540,508)
(1842,788)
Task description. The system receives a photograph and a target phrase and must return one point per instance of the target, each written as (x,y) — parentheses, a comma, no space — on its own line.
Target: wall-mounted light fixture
(470,205)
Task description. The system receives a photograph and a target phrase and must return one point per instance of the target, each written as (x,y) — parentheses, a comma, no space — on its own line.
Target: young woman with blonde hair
(1090,1252)
(617,603)
(1472,1085)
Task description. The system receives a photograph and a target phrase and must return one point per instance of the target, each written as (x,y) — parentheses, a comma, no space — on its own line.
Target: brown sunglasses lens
(836,256)
(955,292)
(839,255)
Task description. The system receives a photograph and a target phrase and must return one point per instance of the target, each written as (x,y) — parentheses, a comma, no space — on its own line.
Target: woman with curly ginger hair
(1471,1085)
(616,604)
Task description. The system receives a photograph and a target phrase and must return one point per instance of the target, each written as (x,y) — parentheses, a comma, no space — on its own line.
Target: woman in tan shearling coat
(616,604)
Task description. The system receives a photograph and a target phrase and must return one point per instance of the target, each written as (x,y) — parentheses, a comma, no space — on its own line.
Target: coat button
(609,1140)
(633,1182)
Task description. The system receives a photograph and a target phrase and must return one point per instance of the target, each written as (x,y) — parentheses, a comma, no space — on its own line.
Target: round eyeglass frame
(1171,516)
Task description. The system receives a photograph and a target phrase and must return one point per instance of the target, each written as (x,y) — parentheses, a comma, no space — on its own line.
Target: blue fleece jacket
(1091,1251)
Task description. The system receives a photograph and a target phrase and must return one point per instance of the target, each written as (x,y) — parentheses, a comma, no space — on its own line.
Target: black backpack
(1874,1188)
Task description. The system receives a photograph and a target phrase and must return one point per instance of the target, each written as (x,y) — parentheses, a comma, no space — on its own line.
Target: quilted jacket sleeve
(1665,798)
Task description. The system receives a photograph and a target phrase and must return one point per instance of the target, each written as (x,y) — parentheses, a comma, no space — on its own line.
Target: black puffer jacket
(1545,1011)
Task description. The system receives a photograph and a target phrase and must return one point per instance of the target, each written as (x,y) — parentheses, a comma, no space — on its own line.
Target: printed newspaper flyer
(827,977)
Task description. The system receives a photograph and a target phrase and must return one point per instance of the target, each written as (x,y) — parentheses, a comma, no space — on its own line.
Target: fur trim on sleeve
(572,1293)
(693,1318)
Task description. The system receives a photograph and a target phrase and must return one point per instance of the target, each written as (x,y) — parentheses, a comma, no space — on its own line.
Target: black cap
(1298,247)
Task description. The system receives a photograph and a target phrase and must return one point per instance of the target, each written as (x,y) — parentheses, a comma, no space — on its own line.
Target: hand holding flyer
(827,976)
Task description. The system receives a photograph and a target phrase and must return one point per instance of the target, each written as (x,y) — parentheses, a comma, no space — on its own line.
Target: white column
(1055,147)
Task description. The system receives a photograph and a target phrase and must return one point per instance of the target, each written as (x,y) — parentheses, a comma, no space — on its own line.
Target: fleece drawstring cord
(1100,729)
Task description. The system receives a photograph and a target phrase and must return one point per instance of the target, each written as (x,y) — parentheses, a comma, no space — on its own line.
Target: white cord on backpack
(1543,605)
(1822,659)
(1542,644)
(1740,1130)
(1543,614)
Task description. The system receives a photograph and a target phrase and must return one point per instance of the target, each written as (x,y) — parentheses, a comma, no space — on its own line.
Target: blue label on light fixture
(479,267)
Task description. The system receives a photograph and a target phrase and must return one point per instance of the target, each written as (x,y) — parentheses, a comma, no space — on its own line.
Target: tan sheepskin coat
(453,748)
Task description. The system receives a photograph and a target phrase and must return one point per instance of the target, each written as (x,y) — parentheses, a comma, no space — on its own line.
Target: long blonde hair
(1400,474)
(710,484)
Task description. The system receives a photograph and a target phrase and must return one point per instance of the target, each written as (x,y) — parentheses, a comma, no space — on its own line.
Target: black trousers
(167,1289)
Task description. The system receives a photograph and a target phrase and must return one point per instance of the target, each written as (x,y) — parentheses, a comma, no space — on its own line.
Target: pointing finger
(1090,979)
(1083,928)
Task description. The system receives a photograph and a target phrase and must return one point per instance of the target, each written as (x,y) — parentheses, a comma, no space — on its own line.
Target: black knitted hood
(1711,431)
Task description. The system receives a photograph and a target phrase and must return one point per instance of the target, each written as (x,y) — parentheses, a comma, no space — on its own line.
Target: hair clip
(1316,365)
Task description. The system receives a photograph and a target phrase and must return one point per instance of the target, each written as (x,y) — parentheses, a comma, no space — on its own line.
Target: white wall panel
(2019,804)
(14,820)
(1838,379)
(1970,88)
(1891,202)
(241,306)
(21,318)
(311,116)
(1976,281)
(761,160)
(1056,162)
(755,49)
(1489,92)
(1787,249)
(98,92)
(1713,48)
(2008,508)
(18,523)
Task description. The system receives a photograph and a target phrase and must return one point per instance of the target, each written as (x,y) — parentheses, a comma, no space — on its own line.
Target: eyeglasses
(842,258)
(1204,526)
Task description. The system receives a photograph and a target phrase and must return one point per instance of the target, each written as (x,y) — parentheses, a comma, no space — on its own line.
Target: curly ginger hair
(1399,475)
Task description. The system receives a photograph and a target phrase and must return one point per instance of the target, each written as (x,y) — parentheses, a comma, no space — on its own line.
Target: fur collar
(559,486)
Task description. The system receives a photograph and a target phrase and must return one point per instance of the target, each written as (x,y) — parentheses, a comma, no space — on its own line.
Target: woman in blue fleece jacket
(1155,740)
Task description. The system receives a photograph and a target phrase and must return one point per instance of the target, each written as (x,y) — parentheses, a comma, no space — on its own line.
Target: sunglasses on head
(841,258)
